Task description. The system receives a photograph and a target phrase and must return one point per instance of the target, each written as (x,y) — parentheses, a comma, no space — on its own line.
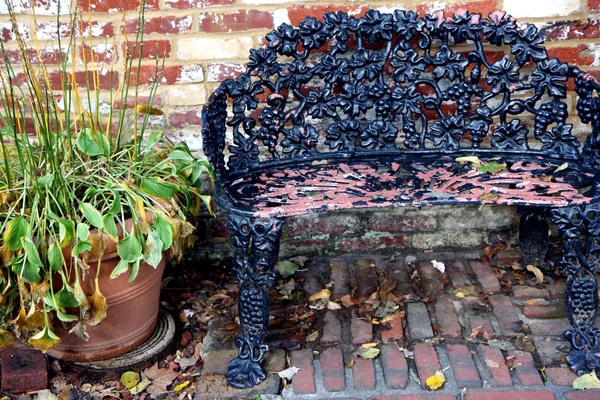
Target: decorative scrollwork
(256,245)
(327,80)
(580,227)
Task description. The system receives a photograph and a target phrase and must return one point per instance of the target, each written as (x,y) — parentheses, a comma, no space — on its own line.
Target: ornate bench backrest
(392,83)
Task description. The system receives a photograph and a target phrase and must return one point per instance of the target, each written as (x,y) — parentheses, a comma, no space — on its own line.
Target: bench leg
(533,236)
(580,228)
(256,243)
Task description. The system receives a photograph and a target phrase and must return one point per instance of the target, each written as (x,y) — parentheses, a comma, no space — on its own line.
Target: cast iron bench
(348,113)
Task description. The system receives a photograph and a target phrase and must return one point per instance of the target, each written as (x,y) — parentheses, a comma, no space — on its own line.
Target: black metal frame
(388,89)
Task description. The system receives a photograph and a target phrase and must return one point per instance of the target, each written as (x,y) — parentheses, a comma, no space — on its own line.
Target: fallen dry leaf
(368,353)
(312,337)
(475,331)
(160,378)
(348,301)
(351,363)
(587,381)
(324,294)
(436,381)
(439,266)
(368,345)
(288,373)
(539,276)
(516,266)
(333,306)
(492,363)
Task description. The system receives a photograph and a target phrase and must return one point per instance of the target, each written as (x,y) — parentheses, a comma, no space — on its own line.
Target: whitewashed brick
(213,48)
(192,138)
(47,7)
(280,16)
(186,95)
(7,31)
(191,74)
(540,8)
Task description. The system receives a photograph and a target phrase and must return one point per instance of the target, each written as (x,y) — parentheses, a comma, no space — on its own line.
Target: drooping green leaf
(110,227)
(135,269)
(164,231)
(129,249)
(65,298)
(180,155)
(153,248)
(92,214)
(120,269)
(83,231)
(26,270)
(51,301)
(55,257)
(66,231)
(207,200)
(286,268)
(81,247)
(152,139)
(46,180)
(31,251)
(90,142)
(154,187)
(16,229)
(115,208)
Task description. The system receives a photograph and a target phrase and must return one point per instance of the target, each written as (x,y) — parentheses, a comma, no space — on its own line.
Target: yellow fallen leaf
(130,379)
(368,345)
(561,167)
(181,386)
(351,363)
(587,381)
(312,337)
(539,276)
(320,295)
(473,159)
(368,353)
(333,306)
(436,381)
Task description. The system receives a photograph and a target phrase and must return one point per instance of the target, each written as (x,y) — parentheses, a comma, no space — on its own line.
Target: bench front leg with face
(256,243)
(580,229)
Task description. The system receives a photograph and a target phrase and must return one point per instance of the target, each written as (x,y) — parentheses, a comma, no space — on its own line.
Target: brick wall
(206,41)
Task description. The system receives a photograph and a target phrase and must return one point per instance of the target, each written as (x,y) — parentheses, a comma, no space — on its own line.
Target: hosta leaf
(81,247)
(92,143)
(6,338)
(120,269)
(66,231)
(65,298)
(44,340)
(110,227)
(93,215)
(129,249)
(135,269)
(98,306)
(28,272)
(180,155)
(164,231)
(15,230)
(153,249)
(55,257)
(31,251)
(83,231)
(154,187)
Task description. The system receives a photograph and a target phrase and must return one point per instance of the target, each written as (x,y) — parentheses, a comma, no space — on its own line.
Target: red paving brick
(477,320)
(447,319)
(304,381)
(424,396)
(463,366)
(528,292)
(395,368)
(363,374)
(431,279)
(505,313)
(551,311)
(427,362)
(593,394)
(458,274)
(525,370)
(393,331)
(339,274)
(332,369)
(360,329)
(23,370)
(495,367)
(510,395)
(332,328)
(560,376)
(485,276)
(365,272)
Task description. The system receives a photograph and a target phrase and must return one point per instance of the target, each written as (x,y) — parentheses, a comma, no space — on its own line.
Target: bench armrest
(214,116)
(588,109)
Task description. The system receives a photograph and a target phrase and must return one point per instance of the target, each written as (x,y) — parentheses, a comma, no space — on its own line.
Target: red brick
(304,380)
(480,7)
(168,75)
(578,54)
(528,292)
(424,396)
(115,5)
(395,368)
(495,366)
(393,331)
(305,246)
(218,72)
(164,25)
(486,276)
(188,118)
(297,13)
(477,320)
(365,272)
(508,256)
(525,369)
(363,374)
(458,274)
(396,271)
(106,79)
(97,29)
(364,244)
(431,279)
(332,224)
(402,223)
(590,394)
(360,329)
(98,54)
(185,4)
(47,56)
(505,313)
(332,369)
(555,327)
(150,49)
(550,311)
(339,275)
(242,20)
(427,362)
(447,319)
(560,376)
(23,370)
(565,30)
(332,328)
(463,366)
(510,394)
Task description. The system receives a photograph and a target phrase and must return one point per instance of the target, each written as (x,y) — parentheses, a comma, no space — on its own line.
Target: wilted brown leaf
(324,294)
(539,276)
(475,331)
(160,378)
(349,301)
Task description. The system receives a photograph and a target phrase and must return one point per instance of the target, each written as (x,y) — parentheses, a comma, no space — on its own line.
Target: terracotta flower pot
(131,316)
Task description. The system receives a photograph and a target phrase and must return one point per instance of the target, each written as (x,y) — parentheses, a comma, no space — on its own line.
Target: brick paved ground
(495,333)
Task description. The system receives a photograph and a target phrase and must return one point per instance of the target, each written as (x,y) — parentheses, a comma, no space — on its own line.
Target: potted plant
(93,199)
